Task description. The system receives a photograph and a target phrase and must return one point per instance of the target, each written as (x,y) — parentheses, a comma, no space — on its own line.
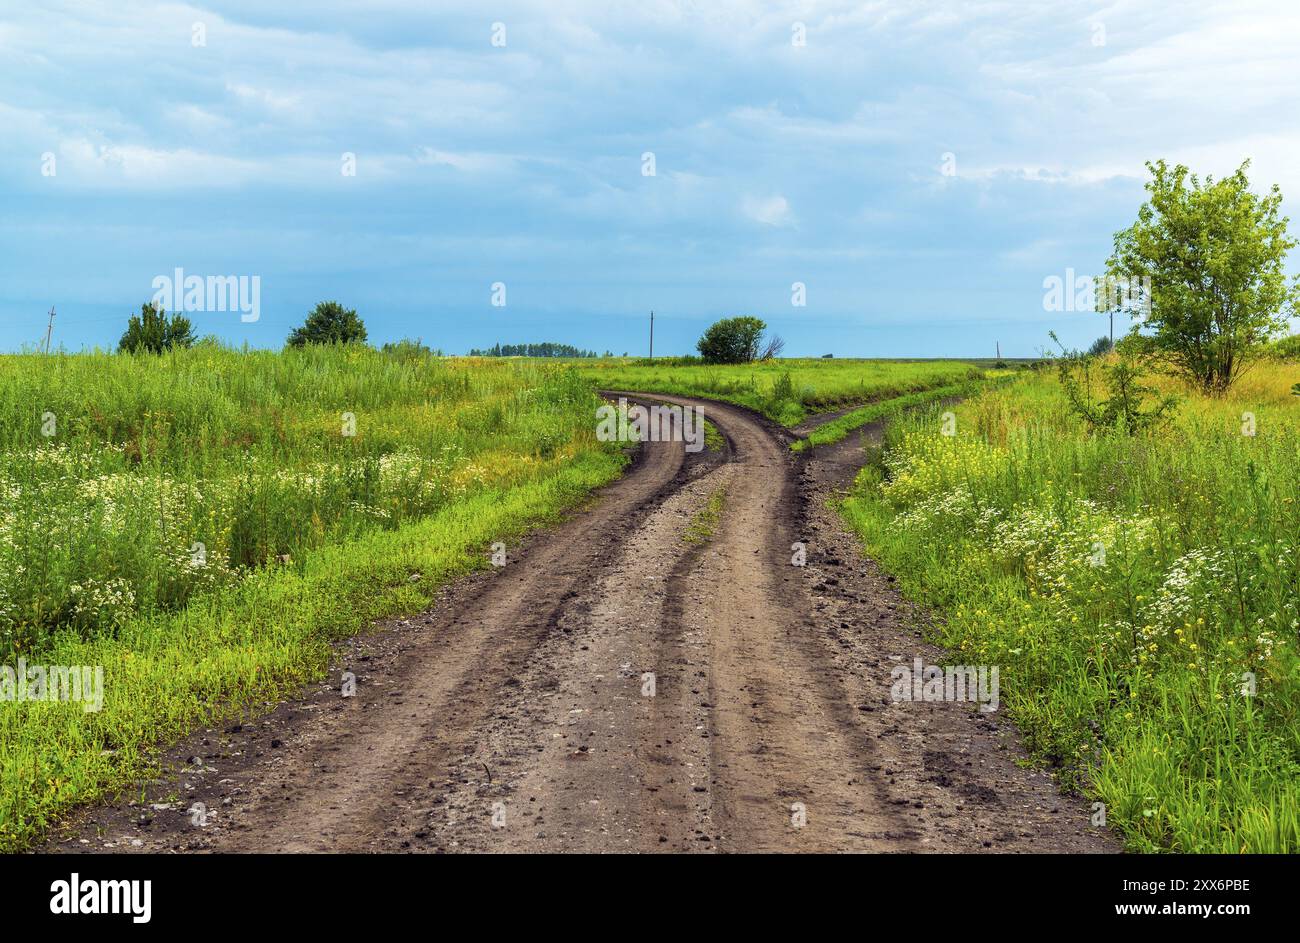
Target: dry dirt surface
(617,686)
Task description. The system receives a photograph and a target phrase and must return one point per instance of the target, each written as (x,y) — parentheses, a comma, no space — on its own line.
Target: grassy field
(1141,595)
(203,524)
(784,390)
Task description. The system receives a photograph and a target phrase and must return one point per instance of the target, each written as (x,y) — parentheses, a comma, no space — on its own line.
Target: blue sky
(921,167)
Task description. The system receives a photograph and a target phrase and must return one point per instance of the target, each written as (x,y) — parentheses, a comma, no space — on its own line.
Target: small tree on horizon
(329,323)
(732,340)
(152,331)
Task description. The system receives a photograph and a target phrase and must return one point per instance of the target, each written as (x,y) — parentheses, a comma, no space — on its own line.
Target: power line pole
(49,331)
(999,345)
(652,335)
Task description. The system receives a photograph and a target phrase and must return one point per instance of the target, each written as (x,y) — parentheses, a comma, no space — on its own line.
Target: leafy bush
(1213,257)
(151,331)
(406,349)
(732,340)
(329,323)
(1288,348)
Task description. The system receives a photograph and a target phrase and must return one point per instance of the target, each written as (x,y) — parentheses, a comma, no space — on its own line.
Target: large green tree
(329,323)
(732,340)
(152,331)
(1212,254)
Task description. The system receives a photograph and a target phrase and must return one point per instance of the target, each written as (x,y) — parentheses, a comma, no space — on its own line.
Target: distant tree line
(547,349)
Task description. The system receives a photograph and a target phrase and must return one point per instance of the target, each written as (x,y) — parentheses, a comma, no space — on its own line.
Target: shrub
(1288,348)
(152,331)
(732,340)
(329,323)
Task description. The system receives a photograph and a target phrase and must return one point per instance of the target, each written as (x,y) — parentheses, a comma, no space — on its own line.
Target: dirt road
(617,687)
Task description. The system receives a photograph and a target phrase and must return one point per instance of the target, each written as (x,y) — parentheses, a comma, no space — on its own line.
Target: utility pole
(652,335)
(1112,327)
(49,331)
(999,345)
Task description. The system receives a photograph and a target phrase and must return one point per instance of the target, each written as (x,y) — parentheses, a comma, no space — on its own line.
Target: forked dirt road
(615,687)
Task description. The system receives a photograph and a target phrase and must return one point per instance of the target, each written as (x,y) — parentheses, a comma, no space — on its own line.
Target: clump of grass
(706,520)
(1141,594)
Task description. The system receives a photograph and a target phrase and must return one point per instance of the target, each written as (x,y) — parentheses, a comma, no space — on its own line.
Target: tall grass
(1141,595)
(202,523)
(130,484)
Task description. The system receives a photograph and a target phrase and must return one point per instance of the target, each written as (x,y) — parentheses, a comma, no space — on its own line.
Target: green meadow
(203,523)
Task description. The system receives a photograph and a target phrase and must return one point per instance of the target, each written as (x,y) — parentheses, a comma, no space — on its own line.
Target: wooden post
(49,331)
(652,335)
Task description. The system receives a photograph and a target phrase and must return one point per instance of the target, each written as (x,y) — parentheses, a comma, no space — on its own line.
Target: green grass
(1125,587)
(307,534)
(783,390)
(713,440)
(839,428)
(705,521)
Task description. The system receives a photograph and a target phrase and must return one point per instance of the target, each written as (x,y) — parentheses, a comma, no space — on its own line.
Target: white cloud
(263,97)
(771,211)
(468,162)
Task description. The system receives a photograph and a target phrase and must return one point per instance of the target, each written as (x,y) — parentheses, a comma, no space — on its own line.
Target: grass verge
(1141,595)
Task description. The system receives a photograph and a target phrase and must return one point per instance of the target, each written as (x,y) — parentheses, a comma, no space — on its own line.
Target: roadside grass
(786,390)
(1140,595)
(200,525)
(705,521)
